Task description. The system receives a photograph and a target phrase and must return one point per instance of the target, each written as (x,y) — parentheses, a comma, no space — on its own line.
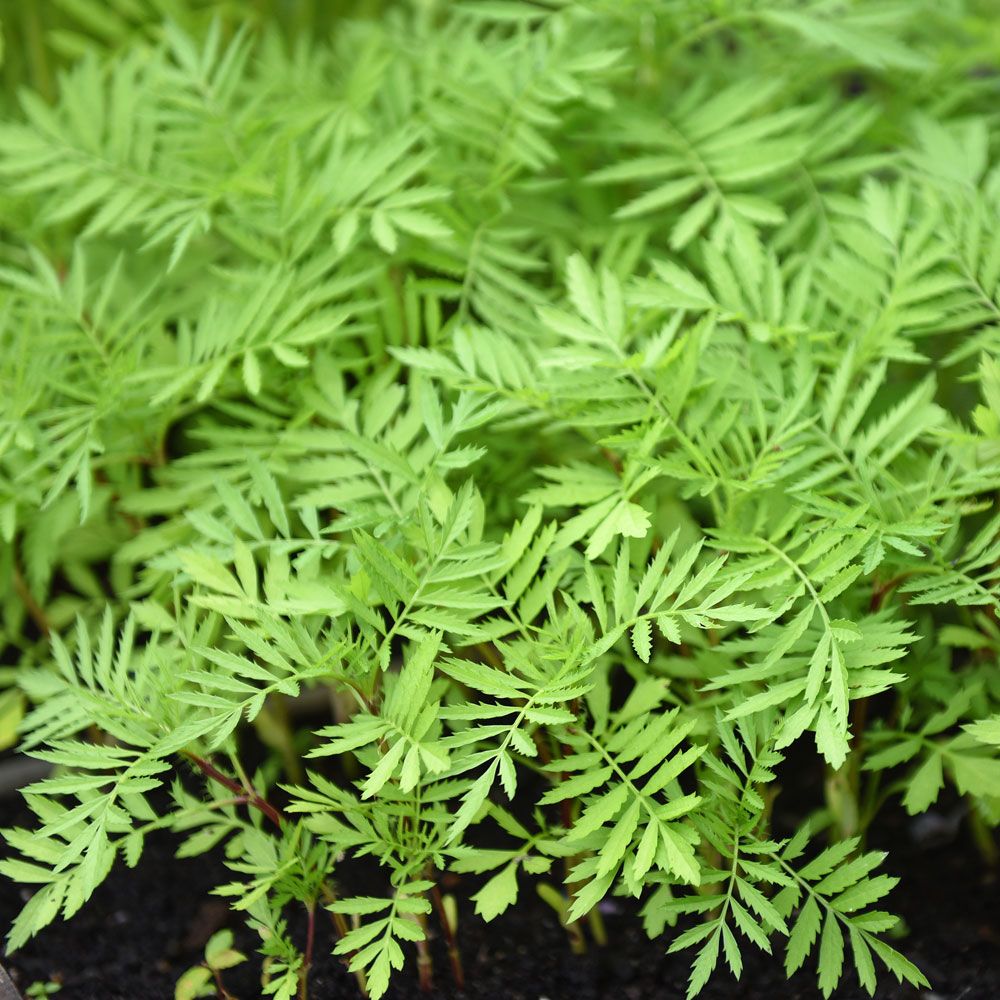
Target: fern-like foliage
(535,418)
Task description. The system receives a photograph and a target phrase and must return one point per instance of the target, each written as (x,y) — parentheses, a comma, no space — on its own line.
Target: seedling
(43,989)
(206,980)
(467,450)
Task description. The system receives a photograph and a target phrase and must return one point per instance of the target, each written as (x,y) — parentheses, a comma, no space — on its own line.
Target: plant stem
(341,930)
(489,654)
(311,932)
(450,936)
(982,836)
(220,987)
(425,965)
(252,796)
(307,957)
(275,729)
(568,809)
(34,609)
(596,921)
(338,918)
(842,800)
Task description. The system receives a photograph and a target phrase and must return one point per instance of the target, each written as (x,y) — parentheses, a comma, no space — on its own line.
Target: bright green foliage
(588,406)
(219,956)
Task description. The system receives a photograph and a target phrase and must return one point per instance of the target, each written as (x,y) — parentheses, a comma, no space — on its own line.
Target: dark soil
(143,928)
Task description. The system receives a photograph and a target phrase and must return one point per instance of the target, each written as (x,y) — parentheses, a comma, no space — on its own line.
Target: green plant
(205,979)
(592,401)
(43,989)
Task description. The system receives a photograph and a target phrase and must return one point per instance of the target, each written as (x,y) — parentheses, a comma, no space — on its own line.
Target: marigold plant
(577,406)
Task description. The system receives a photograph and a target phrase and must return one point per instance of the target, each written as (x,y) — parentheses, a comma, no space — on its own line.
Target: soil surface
(143,928)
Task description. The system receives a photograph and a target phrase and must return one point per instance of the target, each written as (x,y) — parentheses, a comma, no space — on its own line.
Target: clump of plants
(575,407)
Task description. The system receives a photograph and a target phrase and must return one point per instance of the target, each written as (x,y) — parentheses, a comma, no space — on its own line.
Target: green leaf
(498,894)
(925,785)
(831,955)
(641,632)
(192,983)
(803,936)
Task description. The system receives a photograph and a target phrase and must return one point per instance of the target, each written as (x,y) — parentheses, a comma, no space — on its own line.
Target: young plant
(519,428)
(43,989)
(206,980)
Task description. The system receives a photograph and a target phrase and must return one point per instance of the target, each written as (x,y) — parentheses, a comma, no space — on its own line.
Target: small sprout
(42,989)
(205,980)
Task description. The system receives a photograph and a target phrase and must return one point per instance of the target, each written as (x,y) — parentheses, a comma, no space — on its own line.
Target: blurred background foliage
(40,37)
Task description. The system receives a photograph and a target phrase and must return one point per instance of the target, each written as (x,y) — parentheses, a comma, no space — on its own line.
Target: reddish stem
(310,933)
(449,933)
(308,956)
(253,798)
(881,591)
(220,988)
(424,968)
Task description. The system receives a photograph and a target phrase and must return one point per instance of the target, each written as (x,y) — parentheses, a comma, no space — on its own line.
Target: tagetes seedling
(42,989)
(514,426)
(205,980)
